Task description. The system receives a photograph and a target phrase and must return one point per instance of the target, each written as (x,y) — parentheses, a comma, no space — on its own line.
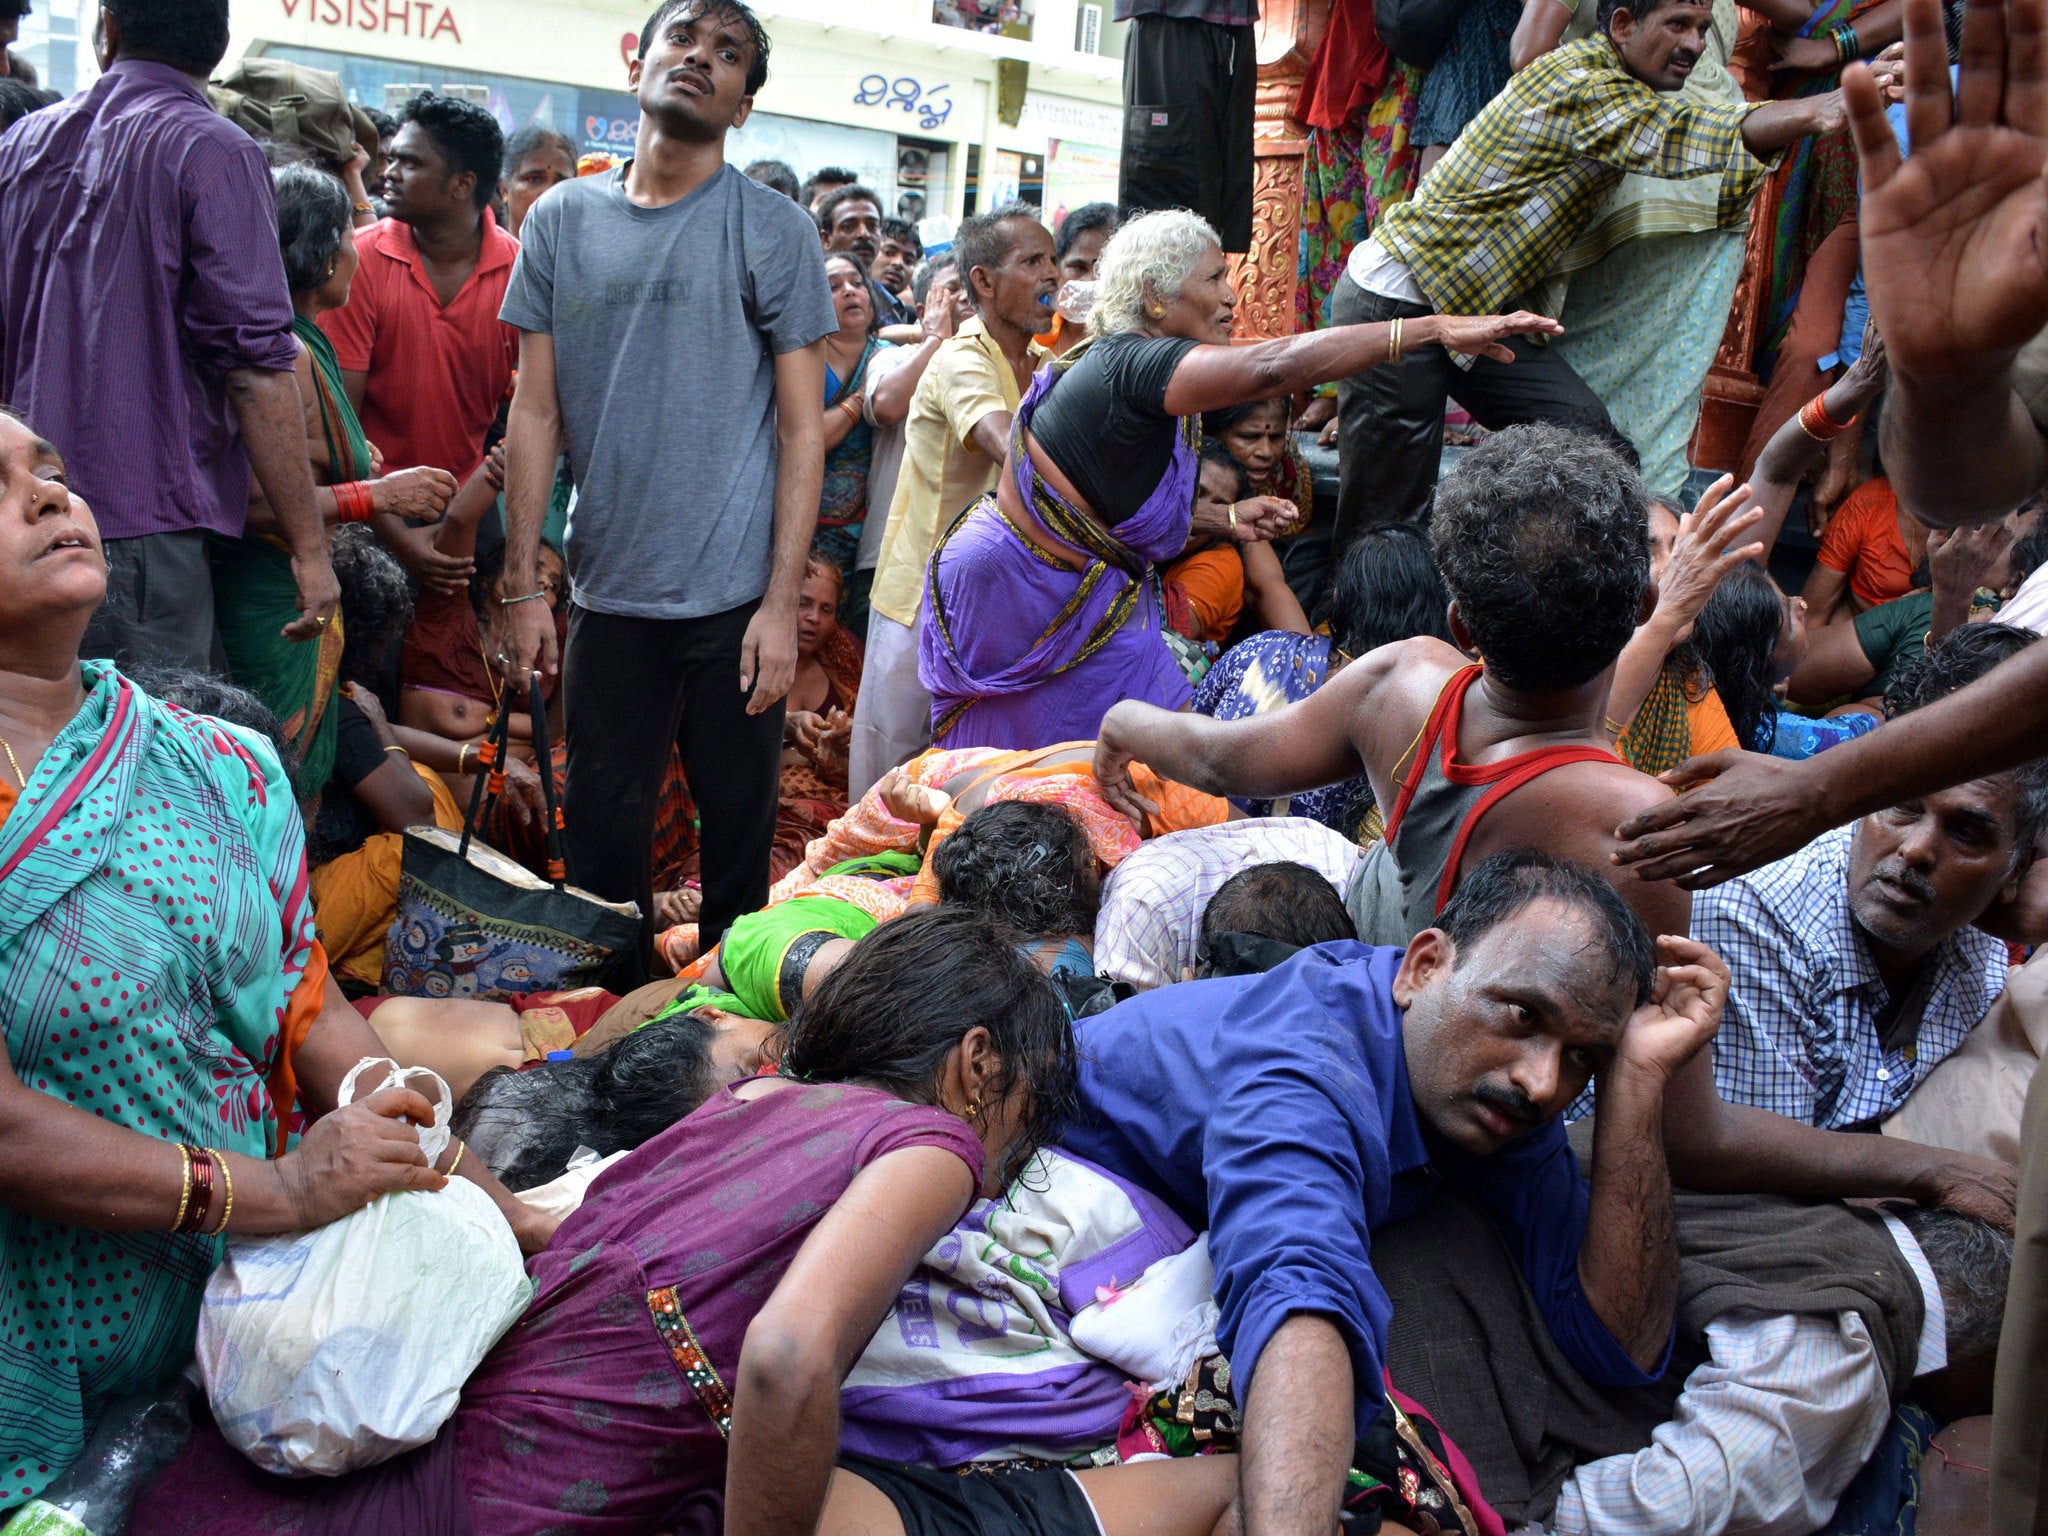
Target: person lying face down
(1028,867)
(1290,1114)
(1151,929)
(527,1125)
(1263,916)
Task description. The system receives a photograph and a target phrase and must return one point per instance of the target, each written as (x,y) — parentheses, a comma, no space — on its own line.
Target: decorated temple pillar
(1288,34)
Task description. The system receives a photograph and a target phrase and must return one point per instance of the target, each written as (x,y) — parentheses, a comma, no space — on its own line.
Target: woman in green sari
(252,575)
(166,1007)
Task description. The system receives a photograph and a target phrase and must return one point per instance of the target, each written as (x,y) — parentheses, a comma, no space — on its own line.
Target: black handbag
(1415,31)
(473,923)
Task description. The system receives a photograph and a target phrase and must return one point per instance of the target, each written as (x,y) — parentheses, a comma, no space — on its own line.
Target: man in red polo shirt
(423,354)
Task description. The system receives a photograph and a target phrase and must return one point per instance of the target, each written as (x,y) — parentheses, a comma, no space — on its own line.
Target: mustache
(1512,1102)
(1917,885)
(1687,59)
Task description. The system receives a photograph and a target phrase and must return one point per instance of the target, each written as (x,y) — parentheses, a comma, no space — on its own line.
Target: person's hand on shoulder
(1734,812)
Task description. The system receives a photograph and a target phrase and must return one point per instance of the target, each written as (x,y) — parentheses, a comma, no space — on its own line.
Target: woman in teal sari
(166,1006)
(253,575)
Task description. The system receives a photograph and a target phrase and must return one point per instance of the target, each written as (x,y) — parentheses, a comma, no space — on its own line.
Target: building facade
(942,106)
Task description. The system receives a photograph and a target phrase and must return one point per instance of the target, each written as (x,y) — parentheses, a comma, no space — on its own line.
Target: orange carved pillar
(1288,34)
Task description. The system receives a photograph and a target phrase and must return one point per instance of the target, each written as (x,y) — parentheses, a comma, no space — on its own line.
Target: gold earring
(973,1107)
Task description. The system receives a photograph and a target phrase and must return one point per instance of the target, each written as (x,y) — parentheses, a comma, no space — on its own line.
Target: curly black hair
(376,602)
(1027,866)
(1542,535)
(467,137)
(911,991)
(207,693)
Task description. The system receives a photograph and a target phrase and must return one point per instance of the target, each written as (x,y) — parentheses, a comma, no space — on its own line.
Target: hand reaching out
(1955,239)
(1709,545)
(1487,335)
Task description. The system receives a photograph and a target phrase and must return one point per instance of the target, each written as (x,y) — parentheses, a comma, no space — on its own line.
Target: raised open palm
(1955,238)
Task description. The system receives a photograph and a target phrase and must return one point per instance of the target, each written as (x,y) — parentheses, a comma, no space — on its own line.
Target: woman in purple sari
(1042,602)
(679,1367)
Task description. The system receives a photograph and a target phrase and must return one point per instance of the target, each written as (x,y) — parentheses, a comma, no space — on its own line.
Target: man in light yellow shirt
(953,447)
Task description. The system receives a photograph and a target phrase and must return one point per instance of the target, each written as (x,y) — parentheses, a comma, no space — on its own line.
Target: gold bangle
(227,1183)
(185,1194)
(449,1171)
(462,757)
(1233,517)
(1394,341)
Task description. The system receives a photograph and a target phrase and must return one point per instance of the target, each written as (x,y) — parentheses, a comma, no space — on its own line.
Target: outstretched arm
(1954,255)
(1737,811)
(1303,746)
(1793,452)
(1210,378)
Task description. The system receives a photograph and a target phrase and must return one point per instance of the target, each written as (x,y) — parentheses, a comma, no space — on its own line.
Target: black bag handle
(488,758)
(544,759)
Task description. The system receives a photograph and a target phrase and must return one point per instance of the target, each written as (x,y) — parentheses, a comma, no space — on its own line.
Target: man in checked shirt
(1525,177)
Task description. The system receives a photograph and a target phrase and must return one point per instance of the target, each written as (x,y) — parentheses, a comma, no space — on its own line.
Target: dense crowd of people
(1013,965)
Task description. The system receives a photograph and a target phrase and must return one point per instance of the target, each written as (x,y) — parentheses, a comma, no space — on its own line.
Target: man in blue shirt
(1293,1113)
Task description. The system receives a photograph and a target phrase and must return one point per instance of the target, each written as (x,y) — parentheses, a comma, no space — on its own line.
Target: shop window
(1009,18)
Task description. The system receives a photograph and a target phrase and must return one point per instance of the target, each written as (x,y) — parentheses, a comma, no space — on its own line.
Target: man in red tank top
(1542,537)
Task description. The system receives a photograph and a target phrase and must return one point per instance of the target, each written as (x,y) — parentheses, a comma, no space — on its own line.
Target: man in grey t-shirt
(671,317)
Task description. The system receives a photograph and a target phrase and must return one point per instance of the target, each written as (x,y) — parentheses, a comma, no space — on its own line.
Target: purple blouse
(603,1412)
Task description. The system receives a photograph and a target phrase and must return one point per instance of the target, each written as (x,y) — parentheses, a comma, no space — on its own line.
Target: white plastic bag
(335,1349)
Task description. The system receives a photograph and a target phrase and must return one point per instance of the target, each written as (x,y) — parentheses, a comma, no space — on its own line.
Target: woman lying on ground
(166,1006)
(915,808)
(1042,607)
(679,1367)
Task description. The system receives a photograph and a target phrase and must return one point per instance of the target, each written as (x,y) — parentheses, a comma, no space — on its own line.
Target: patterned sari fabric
(605,1411)
(871,828)
(158,946)
(1348,176)
(255,596)
(1812,190)
(1098,629)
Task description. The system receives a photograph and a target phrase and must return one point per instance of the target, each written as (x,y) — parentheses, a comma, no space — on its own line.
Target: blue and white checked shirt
(1800,1036)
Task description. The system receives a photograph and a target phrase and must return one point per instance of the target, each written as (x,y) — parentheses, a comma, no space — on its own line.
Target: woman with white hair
(1043,605)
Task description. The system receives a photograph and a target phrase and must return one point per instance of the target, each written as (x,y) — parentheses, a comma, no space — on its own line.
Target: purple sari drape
(1019,650)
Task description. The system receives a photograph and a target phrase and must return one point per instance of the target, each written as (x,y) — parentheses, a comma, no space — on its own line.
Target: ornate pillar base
(1288,34)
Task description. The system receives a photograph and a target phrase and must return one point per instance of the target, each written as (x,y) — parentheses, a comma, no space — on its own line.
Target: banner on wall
(1077,173)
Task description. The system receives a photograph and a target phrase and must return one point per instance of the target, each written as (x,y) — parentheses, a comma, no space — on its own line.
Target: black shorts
(935,1503)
